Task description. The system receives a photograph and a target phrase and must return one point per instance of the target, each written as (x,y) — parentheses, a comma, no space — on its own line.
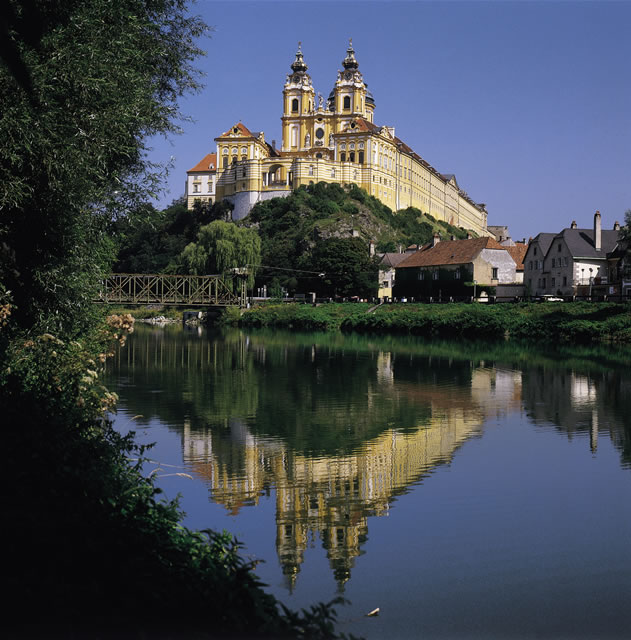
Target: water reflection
(338,428)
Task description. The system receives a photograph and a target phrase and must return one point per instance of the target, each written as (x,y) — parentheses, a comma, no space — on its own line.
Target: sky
(527,103)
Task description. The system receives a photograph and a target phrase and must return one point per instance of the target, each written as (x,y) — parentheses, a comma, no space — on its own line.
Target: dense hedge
(565,323)
(325,317)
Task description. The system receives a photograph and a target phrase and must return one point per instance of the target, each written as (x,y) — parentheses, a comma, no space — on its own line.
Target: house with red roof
(201,181)
(449,269)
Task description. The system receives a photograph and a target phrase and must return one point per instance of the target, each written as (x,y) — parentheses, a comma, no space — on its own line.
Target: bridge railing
(136,288)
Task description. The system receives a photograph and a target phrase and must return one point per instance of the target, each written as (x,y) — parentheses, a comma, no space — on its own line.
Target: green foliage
(101,77)
(326,317)
(563,323)
(346,268)
(151,241)
(221,247)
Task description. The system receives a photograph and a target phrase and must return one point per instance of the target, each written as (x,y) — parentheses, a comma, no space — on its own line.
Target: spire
(350,62)
(299,63)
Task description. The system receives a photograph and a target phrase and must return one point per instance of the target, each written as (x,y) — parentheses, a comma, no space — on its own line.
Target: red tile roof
(243,130)
(517,253)
(208,163)
(449,252)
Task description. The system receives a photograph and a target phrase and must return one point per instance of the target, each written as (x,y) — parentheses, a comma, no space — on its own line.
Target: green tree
(346,267)
(78,101)
(220,247)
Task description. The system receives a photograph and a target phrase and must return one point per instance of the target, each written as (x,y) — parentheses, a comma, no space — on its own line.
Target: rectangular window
(565,261)
(435,275)
(421,275)
(552,283)
(457,274)
(553,263)
(493,273)
(386,284)
(564,281)
(559,248)
(196,187)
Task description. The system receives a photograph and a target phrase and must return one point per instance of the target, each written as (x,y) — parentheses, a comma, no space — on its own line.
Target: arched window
(294,105)
(294,136)
(361,157)
(343,156)
(347,102)
(352,156)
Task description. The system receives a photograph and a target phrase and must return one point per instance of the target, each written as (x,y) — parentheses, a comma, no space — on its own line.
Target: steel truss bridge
(138,288)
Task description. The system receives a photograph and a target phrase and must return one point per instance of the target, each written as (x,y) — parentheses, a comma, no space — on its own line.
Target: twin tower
(309,121)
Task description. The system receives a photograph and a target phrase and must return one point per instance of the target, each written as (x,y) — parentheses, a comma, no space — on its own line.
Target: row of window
(197,187)
(556,262)
(351,157)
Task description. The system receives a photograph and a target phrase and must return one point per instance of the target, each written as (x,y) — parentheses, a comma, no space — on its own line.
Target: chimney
(573,225)
(616,226)
(435,240)
(597,231)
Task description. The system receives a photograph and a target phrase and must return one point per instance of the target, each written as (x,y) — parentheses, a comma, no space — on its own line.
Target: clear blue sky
(528,103)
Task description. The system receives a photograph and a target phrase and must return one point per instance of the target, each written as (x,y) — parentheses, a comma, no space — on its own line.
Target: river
(471,491)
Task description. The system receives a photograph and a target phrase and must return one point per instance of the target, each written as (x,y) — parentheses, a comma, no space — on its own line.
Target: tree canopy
(79,99)
(220,247)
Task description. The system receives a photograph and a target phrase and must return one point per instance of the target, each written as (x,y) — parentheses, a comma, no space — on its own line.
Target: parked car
(548,297)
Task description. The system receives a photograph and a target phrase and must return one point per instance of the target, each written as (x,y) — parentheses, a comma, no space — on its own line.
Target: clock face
(348,75)
(296,78)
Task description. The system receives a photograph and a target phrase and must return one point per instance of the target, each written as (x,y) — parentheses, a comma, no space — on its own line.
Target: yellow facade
(336,140)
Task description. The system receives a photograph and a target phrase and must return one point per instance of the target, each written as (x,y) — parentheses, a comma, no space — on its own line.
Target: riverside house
(454,269)
(574,262)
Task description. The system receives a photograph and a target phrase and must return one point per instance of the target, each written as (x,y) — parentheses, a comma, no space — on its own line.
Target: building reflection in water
(330,497)
(336,429)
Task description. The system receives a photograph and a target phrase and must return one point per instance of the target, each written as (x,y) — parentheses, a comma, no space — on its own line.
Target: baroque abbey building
(332,140)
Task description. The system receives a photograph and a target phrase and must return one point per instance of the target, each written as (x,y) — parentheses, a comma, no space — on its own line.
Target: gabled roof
(544,240)
(392,259)
(449,252)
(242,131)
(517,253)
(580,242)
(207,164)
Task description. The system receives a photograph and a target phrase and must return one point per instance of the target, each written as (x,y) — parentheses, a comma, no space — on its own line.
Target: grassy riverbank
(565,323)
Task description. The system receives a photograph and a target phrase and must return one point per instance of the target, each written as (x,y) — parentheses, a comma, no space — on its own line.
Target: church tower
(350,97)
(298,102)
